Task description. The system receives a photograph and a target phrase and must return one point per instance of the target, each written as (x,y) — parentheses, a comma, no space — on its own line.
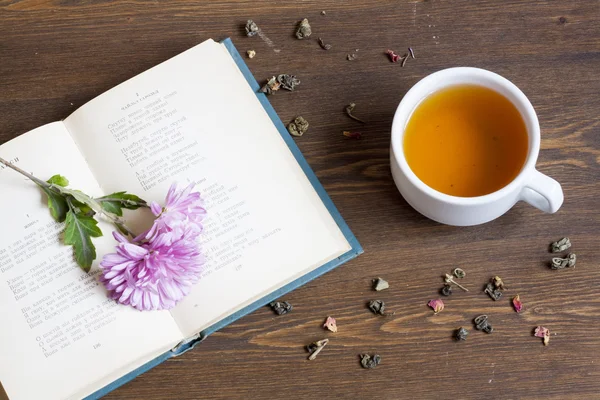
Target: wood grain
(58,54)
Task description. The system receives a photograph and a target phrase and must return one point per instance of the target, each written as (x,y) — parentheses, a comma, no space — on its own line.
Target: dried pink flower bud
(330,324)
(517,304)
(437,305)
(393,56)
(542,332)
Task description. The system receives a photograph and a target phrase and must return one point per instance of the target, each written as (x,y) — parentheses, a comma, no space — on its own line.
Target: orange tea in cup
(466,140)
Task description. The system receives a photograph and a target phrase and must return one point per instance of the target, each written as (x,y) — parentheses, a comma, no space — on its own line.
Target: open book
(196,117)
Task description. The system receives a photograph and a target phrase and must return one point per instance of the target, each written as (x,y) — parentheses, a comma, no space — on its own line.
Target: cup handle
(543,192)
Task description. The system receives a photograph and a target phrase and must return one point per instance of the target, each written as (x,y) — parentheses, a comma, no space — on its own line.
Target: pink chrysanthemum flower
(183,211)
(157,269)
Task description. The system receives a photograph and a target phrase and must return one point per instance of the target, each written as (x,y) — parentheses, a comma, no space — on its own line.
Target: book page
(194,118)
(59,332)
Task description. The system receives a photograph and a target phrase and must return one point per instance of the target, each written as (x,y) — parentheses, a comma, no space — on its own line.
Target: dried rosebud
(517,304)
(393,56)
(437,305)
(544,333)
(352,135)
(330,324)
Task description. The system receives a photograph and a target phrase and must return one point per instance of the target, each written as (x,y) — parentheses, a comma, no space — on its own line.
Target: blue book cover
(355,250)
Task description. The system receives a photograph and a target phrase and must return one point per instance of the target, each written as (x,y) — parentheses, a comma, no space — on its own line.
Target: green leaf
(58,180)
(84,209)
(114,203)
(57,204)
(79,232)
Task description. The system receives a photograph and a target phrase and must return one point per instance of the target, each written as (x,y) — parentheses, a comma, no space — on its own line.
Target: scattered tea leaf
(560,245)
(380,284)
(304,29)
(315,348)
(251,53)
(498,283)
(437,305)
(459,273)
(298,126)
(517,304)
(281,307)
(377,307)
(288,82)
(352,135)
(324,45)
(404,59)
(368,361)
(351,57)
(493,292)
(251,28)
(350,111)
(482,324)
(544,333)
(330,324)
(567,262)
(446,290)
(461,334)
(448,279)
(271,86)
(412,53)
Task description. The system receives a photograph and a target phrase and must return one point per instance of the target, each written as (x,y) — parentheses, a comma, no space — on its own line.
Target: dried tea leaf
(461,334)
(493,292)
(380,284)
(459,273)
(544,333)
(350,111)
(517,304)
(251,53)
(288,82)
(412,53)
(281,307)
(298,126)
(560,245)
(303,30)
(567,262)
(370,362)
(271,86)
(330,323)
(324,45)
(498,283)
(437,305)
(482,324)
(351,57)
(251,28)
(315,348)
(377,307)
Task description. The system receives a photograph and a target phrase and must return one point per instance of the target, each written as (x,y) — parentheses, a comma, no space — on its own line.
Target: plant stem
(26,174)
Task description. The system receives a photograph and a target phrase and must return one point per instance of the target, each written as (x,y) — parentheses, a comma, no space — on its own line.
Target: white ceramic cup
(530,185)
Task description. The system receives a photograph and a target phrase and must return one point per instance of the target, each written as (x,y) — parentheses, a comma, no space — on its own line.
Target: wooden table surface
(58,54)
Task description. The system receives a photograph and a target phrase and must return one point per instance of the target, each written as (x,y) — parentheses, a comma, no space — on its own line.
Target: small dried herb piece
(459,273)
(323,12)
(330,324)
(404,59)
(281,307)
(446,290)
(567,262)
(350,111)
(482,324)
(303,30)
(377,307)
(271,86)
(288,82)
(251,53)
(298,126)
(461,334)
(324,45)
(544,333)
(370,362)
(315,348)
(448,279)
(517,304)
(494,293)
(380,284)
(351,57)
(251,28)
(560,245)
(352,135)
(498,283)
(437,305)
(412,53)
(393,56)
